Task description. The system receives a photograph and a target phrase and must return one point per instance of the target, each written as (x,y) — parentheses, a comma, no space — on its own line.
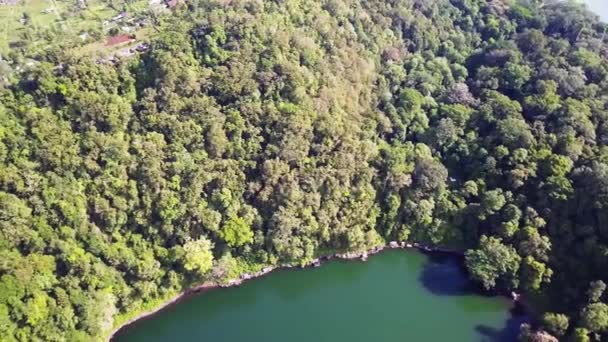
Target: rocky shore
(353,255)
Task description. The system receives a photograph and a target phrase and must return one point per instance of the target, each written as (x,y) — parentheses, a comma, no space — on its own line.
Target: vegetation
(255,133)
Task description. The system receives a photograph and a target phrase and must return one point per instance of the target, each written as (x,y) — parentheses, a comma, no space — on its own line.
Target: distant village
(127,24)
(119,30)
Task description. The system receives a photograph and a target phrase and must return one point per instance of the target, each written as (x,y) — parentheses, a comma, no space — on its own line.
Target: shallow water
(394,296)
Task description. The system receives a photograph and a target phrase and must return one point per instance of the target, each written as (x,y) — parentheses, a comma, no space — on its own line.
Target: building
(121,39)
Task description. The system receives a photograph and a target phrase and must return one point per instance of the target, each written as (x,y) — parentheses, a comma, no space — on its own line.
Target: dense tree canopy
(263,132)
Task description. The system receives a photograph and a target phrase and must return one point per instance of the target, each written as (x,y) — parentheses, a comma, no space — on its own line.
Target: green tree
(237,232)
(493,261)
(595,317)
(555,323)
(198,257)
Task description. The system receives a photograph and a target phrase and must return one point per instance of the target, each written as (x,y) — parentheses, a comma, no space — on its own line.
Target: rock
(393,244)
(348,256)
(364,256)
(542,336)
(402,244)
(409,245)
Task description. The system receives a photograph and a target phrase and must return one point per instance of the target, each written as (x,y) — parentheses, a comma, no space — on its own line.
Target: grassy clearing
(101,49)
(62,18)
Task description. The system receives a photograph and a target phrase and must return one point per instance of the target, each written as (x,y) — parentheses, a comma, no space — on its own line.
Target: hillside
(255,133)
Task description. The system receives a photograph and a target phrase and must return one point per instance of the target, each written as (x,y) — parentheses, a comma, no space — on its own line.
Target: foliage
(555,323)
(198,257)
(262,132)
(493,262)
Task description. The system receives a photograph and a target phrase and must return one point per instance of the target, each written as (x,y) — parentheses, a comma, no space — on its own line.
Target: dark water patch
(444,275)
(508,333)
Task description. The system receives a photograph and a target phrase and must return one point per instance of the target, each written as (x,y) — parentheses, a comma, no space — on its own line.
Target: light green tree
(198,257)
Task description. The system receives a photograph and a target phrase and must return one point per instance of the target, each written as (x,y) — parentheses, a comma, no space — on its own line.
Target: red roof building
(116,40)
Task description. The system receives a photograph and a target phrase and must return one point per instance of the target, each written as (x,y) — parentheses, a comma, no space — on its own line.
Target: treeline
(264,132)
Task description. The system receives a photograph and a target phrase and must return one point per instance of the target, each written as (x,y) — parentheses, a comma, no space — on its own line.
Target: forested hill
(266,132)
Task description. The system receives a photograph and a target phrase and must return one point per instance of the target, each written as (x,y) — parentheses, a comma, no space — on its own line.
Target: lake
(394,296)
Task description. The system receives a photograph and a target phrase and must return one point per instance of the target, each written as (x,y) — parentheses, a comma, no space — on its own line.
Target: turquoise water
(395,296)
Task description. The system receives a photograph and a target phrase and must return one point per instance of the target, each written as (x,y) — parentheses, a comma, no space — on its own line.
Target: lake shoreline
(317,262)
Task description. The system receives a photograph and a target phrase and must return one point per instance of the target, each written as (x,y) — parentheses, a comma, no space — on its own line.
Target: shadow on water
(508,333)
(444,274)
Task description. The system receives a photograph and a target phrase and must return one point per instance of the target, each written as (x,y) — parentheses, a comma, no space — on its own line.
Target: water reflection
(302,282)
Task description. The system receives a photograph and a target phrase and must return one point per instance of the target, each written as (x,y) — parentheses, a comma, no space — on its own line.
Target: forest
(257,133)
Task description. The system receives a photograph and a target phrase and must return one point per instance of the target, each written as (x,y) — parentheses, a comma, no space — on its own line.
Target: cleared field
(26,21)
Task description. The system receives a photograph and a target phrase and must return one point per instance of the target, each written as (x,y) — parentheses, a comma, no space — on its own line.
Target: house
(172,3)
(121,39)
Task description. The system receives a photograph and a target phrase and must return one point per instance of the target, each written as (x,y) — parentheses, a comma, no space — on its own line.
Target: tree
(555,323)
(595,317)
(581,335)
(237,232)
(492,262)
(198,257)
(533,274)
(272,133)
(596,290)
(225,269)
(429,175)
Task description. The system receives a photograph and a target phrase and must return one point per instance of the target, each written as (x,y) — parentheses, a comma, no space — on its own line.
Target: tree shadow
(508,333)
(443,275)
